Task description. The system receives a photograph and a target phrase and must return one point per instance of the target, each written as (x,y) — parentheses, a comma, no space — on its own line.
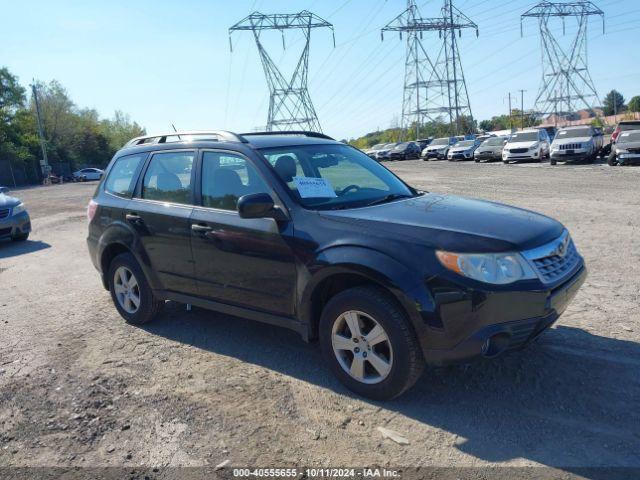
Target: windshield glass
(628,137)
(494,142)
(524,137)
(389,145)
(466,143)
(328,177)
(574,133)
(378,146)
(401,146)
(440,141)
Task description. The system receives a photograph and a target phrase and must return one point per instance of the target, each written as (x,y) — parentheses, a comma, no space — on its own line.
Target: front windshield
(574,133)
(390,145)
(494,142)
(379,146)
(524,137)
(401,146)
(440,141)
(628,137)
(466,143)
(331,177)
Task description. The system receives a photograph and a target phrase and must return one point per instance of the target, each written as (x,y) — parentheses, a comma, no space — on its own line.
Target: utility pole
(522,108)
(44,163)
(510,123)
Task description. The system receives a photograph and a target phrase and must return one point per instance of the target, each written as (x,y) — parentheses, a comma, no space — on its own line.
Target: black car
(405,151)
(301,231)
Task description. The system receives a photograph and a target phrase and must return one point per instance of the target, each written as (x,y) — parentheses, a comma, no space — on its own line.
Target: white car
(530,145)
(88,174)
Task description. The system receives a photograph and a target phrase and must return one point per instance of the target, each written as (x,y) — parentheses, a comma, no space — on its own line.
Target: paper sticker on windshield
(626,134)
(309,187)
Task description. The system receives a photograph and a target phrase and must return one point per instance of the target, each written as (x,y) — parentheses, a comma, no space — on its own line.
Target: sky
(169,63)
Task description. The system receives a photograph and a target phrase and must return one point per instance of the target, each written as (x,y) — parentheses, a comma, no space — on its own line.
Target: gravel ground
(79,387)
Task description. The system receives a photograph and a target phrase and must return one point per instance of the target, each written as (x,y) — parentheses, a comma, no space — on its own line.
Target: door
(160,214)
(244,262)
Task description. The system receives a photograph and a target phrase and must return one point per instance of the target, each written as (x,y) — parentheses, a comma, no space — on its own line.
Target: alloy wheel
(126,289)
(362,347)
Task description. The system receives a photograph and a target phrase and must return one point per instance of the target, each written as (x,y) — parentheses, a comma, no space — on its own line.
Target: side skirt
(277,320)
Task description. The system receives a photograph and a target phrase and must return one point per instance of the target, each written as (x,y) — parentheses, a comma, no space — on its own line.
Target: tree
(613,103)
(11,93)
(634,104)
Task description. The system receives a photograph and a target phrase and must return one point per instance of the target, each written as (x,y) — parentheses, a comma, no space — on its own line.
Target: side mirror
(259,205)
(4,189)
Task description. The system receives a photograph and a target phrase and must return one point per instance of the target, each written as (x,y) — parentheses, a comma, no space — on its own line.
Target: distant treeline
(74,136)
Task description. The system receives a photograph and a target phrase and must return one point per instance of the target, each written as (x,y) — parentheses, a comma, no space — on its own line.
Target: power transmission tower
(290,106)
(433,88)
(566,82)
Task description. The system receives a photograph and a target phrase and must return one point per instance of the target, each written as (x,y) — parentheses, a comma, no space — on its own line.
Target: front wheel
(612,160)
(20,237)
(130,291)
(368,343)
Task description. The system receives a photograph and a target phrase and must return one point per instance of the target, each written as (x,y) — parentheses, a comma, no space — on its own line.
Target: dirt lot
(79,387)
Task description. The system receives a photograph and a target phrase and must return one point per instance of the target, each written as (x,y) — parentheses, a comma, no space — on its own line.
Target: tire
(553,161)
(20,238)
(148,305)
(612,160)
(400,348)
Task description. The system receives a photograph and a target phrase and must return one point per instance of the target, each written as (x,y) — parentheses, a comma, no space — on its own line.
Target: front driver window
(226,177)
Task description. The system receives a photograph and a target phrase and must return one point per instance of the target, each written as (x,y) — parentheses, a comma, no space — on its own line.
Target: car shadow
(9,248)
(568,401)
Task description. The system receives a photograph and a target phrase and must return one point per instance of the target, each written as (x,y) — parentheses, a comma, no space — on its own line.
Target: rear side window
(121,179)
(168,177)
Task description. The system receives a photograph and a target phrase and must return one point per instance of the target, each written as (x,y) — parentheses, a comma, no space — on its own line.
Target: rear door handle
(200,228)
(133,218)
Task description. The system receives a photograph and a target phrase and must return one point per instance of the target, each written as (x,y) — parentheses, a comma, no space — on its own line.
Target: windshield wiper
(388,198)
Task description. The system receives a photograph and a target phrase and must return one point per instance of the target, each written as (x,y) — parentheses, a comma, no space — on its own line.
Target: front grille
(519,150)
(5,231)
(571,146)
(554,267)
(4,212)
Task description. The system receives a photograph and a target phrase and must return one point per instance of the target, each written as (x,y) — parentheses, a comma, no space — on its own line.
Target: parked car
(14,218)
(438,148)
(623,126)
(463,150)
(424,142)
(88,174)
(532,145)
(626,150)
(372,152)
(405,151)
(490,150)
(576,144)
(551,131)
(383,153)
(301,231)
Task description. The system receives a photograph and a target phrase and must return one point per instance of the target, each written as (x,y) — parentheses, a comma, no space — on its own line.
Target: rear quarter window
(121,179)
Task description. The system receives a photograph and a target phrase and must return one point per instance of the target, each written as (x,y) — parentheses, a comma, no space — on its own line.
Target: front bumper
(628,158)
(528,155)
(459,156)
(434,154)
(486,324)
(488,156)
(15,225)
(575,155)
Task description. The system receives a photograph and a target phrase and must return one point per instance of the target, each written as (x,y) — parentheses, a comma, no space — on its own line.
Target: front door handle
(202,229)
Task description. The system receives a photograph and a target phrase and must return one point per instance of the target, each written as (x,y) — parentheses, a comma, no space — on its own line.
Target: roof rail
(220,136)
(290,132)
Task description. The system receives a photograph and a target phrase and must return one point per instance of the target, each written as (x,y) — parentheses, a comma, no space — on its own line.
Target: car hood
(490,148)
(626,146)
(565,141)
(8,201)
(459,149)
(520,144)
(450,222)
(436,147)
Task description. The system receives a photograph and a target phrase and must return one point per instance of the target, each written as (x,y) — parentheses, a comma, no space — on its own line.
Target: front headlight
(495,268)
(534,146)
(18,209)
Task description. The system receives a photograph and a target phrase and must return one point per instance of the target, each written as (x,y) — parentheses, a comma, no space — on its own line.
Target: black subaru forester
(301,231)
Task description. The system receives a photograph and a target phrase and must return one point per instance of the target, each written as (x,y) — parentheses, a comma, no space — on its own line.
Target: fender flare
(404,284)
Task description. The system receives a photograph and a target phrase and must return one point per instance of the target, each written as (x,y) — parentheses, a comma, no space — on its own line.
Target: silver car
(490,150)
(576,144)
(627,148)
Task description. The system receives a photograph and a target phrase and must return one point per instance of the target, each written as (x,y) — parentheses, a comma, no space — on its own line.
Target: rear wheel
(368,343)
(130,291)
(612,159)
